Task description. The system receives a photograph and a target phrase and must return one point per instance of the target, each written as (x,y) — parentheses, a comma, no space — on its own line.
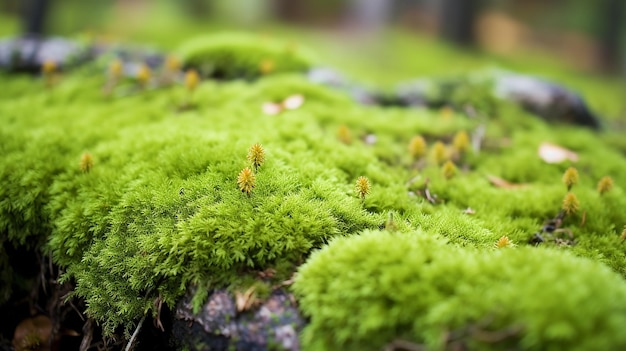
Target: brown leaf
(469,211)
(33,334)
(501,183)
(246,300)
(552,153)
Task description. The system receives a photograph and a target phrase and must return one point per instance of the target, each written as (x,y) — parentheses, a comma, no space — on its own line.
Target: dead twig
(158,304)
(129,346)
(85,344)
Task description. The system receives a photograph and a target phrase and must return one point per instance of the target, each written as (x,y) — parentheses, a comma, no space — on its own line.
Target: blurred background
(587,34)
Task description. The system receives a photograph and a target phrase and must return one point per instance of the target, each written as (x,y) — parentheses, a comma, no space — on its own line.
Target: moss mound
(230,56)
(372,289)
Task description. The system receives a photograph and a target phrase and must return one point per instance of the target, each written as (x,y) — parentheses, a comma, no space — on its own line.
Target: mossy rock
(373,289)
(242,56)
(159,208)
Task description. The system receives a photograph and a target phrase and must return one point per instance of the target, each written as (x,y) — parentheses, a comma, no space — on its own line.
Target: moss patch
(160,207)
(369,290)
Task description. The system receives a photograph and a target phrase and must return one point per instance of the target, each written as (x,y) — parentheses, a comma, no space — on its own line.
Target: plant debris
(502,183)
(552,153)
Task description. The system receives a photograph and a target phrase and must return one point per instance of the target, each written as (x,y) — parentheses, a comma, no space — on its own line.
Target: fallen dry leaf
(293,102)
(244,301)
(33,334)
(552,153)
(501,183)
(469,211)
(271,108)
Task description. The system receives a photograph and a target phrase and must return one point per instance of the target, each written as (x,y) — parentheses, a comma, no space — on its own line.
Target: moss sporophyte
(448,169)
(605,185)
(246,180)
(86,162)
(461,142)
(439,152)
(570,204)
(503,242)
(362,187)
(417,147)
(144,73)
(570,178)
(256,155)
(191,80)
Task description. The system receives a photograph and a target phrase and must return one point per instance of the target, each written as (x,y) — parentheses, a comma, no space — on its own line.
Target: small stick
(129,346)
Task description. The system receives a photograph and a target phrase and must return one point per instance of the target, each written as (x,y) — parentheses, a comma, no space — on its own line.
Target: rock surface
(272,325)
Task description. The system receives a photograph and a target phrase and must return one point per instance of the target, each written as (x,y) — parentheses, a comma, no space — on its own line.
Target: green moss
(416,287)
(160,210)
(229,56)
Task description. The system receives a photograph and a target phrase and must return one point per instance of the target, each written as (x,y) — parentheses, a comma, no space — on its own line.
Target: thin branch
(129,346)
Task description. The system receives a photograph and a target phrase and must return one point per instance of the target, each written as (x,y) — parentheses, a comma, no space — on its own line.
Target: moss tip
(570,204)
(503,242)
(86,162)
(363,186)
(448,169)
(191,79)
(417,147)
(461,141)
(246,180)
(256,155)
(605,185)
(570,177)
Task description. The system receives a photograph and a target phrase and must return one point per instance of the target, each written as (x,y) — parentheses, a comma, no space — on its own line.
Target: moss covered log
(156,206)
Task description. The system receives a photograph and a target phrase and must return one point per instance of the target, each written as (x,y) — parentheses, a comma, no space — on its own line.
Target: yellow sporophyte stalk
(570,177)
(266,66)
(116,69)
(48,67)
(86,162)
(461,142)
(256,155)
(440,154)
(570,204)
(362,187)
(448,169)
(605,185)
(143,74)
(48,70)
(172,63)
(246,180)
(191,80)
(503,242)
(417,147)
(344,135)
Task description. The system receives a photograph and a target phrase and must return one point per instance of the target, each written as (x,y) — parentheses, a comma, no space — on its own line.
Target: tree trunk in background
(289,10)
(199,9)
(370,15)
(34,16)
(612,13)
(457,20)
